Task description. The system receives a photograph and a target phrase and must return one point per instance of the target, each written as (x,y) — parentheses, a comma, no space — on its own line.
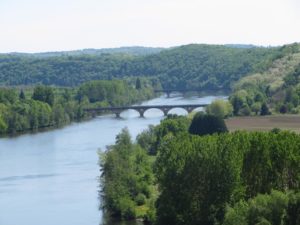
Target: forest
(183,174)
(205,67)
(45,106)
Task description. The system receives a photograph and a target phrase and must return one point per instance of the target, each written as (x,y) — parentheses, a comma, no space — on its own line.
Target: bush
(204,124)
(140,199)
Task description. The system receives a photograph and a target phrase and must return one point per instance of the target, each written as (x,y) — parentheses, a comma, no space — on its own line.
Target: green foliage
(126,177)
(58,106)
(3,125)
(138,84)
(199,175)
(203,124)
(278,85)
(43,94)
(22,95)
(220,108)
(277,208)
(195,66)
(264,109)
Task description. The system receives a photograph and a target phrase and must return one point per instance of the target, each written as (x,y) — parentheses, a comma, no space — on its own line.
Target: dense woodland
(192,66)
(45,106)
(170,176)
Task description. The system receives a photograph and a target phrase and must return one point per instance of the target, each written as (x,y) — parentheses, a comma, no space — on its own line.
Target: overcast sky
(55,25)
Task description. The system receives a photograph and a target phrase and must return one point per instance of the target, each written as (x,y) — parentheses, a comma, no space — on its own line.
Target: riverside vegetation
(44,106)
(261,80)
(177,174)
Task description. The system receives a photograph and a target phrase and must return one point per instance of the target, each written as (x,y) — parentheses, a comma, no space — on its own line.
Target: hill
(278,86)
(135,50)
(194,66)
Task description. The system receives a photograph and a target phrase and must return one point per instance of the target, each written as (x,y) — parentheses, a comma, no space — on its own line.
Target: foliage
(126,177)
(220,108)
(264,109)
(202,67)
(203,124)
(199,175)
(47,106)
(278,86)
(43,94)
(173,125)
(277,208)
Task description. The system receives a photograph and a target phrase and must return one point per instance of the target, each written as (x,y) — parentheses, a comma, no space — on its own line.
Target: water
(50,178)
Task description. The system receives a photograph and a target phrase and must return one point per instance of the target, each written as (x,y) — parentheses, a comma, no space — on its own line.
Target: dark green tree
(44,94)
(264,109)
(203,124)
(138,84)
(22,95)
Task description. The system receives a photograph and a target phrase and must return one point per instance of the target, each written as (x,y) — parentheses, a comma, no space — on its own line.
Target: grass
(264,123)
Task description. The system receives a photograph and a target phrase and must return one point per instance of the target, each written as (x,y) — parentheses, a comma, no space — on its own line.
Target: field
(264,123)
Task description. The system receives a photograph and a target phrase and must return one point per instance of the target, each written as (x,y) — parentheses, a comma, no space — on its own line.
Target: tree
(138,84)
(126,177)
(22,95)
(3,125)
(264,109)
(203,124)
(256,107)
(220,108)
(283,109)
(43,94)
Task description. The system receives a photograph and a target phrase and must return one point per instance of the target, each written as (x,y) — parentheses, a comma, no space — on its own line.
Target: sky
(56,25)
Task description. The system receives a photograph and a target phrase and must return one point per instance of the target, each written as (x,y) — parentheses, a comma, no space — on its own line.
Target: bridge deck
(145,107)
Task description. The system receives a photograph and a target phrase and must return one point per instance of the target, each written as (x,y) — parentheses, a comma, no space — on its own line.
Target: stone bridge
(143,108)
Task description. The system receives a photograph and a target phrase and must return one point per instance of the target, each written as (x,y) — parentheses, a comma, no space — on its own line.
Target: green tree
(22,95)
(3,125)
(220,108)
(138,84)
(43,94)
(203,124)
(264,109)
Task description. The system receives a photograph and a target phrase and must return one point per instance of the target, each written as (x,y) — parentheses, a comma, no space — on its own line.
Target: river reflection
(51,178)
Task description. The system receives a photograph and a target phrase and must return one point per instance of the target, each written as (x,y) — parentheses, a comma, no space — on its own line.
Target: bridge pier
(165,111)
(141,112)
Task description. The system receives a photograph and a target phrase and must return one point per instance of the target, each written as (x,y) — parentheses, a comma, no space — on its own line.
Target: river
(51,177)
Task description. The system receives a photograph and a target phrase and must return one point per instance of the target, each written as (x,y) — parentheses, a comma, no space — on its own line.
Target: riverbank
(264,123)
(51,107)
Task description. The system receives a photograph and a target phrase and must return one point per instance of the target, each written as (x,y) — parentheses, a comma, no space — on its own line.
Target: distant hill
(135,50)
(241,46)
(191,66)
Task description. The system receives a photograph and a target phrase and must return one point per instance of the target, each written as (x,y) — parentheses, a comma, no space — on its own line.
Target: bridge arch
(143,108)
(181,108)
